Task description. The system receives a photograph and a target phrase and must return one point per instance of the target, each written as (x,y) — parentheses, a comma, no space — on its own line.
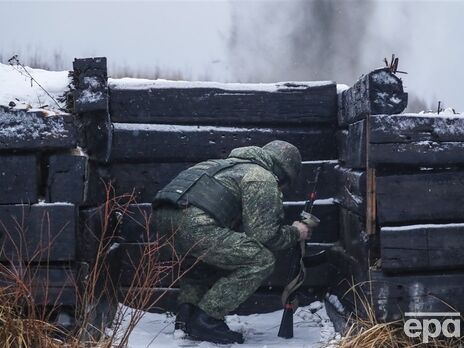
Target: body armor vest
(198,187)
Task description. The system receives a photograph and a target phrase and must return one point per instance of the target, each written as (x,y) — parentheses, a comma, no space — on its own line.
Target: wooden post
(370,189)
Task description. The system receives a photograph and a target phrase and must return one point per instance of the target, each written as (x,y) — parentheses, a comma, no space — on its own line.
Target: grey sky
(247,40)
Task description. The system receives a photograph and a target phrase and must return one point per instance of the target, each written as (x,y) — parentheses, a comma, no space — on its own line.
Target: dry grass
(28,320)
(366,331)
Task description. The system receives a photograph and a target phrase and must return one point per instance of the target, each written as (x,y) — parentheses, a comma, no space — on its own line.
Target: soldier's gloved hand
(303,229)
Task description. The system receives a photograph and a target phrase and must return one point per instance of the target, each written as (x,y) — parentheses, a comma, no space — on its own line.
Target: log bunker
(390,192)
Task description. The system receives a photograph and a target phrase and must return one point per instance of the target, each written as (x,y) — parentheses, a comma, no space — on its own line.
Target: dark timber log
(36,130)
(394,295)
(143,180)
(424,197)
(354,146)
(379,92)
(52,285)
(422,247)
(224,104)
(169,143)
(416,139)
(90,103)
(66,178)
(44,232)
(90,85)
(342,145)
(351,190)
(428,140)
(19,179)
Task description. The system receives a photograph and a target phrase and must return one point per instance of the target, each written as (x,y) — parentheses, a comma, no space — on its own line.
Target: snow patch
(18,88)
(385,78)
(135,127)
(312,329)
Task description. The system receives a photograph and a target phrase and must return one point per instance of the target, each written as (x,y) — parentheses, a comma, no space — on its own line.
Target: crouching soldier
(229,214)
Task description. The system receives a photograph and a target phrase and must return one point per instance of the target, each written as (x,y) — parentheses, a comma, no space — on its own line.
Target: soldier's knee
(266,261)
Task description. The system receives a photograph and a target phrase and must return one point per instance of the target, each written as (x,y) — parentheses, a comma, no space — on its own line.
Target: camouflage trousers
(232,265)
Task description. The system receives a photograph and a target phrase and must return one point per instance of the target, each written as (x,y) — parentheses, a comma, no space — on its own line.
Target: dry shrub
(25,322)
(364,330)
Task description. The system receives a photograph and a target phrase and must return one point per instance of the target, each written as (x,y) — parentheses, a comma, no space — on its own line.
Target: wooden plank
(351,193)
(408,128)
(355,151)
(36,130)
(431,292)
(41,232)
(223,104)
(142,180)
(19,179)
(90,103)
(342,145)
(169,143)
(422,247)
(416,139)
(66,181)
(371,187)
(379,92)
(90,85)
(99,231)
(424,197)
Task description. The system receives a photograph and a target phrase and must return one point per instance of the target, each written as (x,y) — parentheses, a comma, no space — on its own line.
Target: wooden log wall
(38,224)
(142,133)
(400,195)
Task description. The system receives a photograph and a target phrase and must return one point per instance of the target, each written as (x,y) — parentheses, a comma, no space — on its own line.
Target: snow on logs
(407,139)
(182,102)
(422,247)
(379,92)
(37,130)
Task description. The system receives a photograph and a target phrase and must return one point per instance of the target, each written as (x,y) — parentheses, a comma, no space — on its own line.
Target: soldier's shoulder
(257,173)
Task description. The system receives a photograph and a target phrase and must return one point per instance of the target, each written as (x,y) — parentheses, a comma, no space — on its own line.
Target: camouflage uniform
(236,261)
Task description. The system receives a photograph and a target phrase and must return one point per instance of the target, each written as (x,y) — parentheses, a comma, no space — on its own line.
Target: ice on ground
(17,87)
(312,329)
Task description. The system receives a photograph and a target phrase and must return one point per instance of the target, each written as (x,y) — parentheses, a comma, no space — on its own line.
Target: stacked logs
(142,133)
(400,193)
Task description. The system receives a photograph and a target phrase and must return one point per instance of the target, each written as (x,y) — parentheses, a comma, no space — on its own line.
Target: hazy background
(248,41)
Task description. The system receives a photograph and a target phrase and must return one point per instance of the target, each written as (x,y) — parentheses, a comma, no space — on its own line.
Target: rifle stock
(286,324)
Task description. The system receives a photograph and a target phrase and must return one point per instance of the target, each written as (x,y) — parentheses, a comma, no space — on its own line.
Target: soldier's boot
(202,327)
(184,312)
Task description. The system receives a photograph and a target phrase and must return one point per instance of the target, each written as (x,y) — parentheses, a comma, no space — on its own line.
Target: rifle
(298,264)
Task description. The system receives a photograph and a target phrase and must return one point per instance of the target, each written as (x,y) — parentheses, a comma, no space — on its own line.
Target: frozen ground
(312,329)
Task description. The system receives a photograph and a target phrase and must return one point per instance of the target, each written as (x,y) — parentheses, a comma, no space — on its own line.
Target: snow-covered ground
(312,329)
(17,86)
